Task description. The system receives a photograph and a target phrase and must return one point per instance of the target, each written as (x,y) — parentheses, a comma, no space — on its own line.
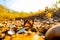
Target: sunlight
(28,5)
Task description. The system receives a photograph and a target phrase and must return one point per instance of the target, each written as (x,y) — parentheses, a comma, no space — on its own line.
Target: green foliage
(7,14)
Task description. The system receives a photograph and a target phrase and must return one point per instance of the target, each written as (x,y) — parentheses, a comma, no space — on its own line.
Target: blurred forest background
(9,14)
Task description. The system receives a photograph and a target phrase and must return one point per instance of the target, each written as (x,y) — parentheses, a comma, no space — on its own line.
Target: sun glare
(28,5)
